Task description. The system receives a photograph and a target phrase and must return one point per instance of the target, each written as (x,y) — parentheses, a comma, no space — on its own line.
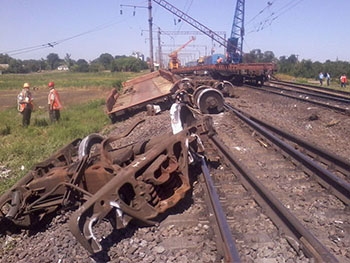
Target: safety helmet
(51,84)
(26,85)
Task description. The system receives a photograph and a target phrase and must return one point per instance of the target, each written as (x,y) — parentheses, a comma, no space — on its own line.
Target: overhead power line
(54,43)
(273,15)
(270,3)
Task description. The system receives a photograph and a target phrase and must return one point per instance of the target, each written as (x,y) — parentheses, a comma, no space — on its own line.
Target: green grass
(22,148)
(64,79)
(334,84)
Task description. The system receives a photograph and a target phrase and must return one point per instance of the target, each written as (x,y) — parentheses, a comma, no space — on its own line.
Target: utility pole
(159,42)
(160,50)
(150,21)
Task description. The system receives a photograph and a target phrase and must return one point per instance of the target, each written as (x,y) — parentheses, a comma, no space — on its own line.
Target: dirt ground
(8,98)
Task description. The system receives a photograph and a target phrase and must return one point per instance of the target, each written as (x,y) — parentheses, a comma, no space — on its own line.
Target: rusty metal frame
(135,182)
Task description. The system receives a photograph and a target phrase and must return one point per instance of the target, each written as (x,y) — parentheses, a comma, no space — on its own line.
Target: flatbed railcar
(235,73)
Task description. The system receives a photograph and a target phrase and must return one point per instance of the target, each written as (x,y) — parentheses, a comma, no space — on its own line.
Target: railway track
(335,100)
(286,174)
(315,159)
(309,87)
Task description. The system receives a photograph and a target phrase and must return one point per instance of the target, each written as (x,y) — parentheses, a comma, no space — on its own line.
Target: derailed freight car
(237,74)
(158,90)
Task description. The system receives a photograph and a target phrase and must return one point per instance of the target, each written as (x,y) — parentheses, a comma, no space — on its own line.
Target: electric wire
(263,24)
(54,43)
(270,3)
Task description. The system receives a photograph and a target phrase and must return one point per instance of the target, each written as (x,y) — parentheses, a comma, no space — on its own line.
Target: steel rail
(340,93)
(326,105)
(229,246)
(338,163)
(293,229)
(338,187)
(311,91)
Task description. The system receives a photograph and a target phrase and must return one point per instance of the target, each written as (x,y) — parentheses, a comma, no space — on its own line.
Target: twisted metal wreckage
(137,182)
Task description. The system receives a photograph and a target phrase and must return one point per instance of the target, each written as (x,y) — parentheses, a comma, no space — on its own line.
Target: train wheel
(198,91)
(210,101)
(225,87)
(185,84)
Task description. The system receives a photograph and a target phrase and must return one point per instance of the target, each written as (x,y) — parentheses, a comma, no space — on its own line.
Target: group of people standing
(321,76)
(343,80)
(26,106)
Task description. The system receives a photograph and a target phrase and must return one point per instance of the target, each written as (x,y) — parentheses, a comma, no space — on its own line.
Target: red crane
(174,62)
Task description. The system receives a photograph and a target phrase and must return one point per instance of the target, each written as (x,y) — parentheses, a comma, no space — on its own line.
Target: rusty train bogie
(204,87)
(136,182)
(204,94)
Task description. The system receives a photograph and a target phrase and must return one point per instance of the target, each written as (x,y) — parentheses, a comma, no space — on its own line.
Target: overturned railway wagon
(203,87)
(138,93)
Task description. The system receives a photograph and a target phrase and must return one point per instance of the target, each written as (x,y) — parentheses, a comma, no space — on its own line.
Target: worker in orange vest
(54,103)
(25,104)
(343,81)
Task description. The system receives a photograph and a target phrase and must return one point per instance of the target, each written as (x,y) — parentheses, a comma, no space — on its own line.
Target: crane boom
(190,33)
(174,53)
(234,45)
(235,42)
(174,62)
(205,30)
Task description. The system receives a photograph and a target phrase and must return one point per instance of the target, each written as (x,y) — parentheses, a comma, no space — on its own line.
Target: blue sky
(312,29)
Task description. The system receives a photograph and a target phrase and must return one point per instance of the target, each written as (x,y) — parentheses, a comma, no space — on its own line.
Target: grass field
(64,79)
(21,148)
(334,83)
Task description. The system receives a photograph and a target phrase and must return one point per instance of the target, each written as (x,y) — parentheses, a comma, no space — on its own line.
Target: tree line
(294,67)
(53,61)
(288,65)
